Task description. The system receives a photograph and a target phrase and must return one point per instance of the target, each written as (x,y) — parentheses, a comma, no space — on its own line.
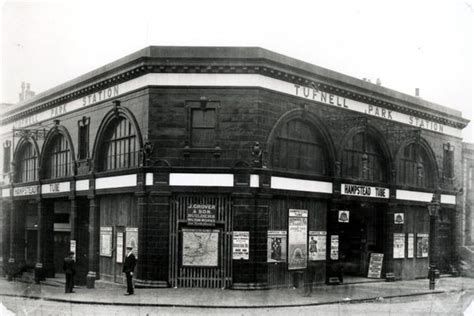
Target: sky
(406,44)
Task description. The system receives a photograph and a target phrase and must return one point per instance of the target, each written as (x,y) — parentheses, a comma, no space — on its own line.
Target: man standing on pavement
(128,267)
(70,270)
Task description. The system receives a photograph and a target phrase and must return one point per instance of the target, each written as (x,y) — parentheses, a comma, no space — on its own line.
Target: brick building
(229,167)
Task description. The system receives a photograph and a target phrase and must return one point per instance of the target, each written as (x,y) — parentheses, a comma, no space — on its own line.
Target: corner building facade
(229,168)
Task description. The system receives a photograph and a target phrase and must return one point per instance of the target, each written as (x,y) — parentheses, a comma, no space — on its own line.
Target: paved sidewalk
(213,298)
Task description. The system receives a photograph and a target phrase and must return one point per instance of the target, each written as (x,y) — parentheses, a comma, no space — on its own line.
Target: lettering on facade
(426,124)
(29,120)
(100,95)
(380,112)
(366,191)
(56,187)
(28,190)
(320,96)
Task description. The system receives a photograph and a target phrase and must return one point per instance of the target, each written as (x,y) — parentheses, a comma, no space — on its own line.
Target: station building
(230,167)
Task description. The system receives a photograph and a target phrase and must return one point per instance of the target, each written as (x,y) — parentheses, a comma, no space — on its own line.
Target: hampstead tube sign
(365,191)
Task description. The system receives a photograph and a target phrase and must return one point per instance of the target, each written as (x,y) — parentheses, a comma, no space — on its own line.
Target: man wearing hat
(70,269)
(128,267)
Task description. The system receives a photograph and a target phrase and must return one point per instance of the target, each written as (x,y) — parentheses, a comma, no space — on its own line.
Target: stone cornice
(264,67)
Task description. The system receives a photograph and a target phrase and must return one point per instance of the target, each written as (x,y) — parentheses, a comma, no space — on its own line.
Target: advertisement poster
(240,245)
(297,239)
(411,245)
(317,245)
(119,257)
(399,246)
(422,245)
(200,247)
(399,218)
(106,241)
(334,247)
(201,214)
(131,235)
(73,247)
(276,246)
(375,265)
(343,216)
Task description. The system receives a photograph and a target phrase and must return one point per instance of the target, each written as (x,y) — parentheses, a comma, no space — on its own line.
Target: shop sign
(297,239)
(365,191)
(317,245)
(375,265)
(119,254)
(56,187)
(399,218)
(27,190)
(422,245)
(105,242)
(276,246)
(398,246)
(411,245)
(131,239)
(201,214)
(240,245)
(72,248)
(343,216)
(334,247)
(200,247)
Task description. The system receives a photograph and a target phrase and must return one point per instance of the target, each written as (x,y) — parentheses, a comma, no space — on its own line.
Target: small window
(203,124)
(448,161)
(83,142)
(7,148)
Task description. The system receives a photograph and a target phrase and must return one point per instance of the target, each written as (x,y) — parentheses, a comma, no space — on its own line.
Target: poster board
(422,245)
(398,246)
(399,218)
(105,242)
(119,254)
(343,216)
(375,265)
(334,254)
(72,247)
(276,246)
(411,245)
(200,247)
(131,239)
(240,245)
(317,246)
(297,239)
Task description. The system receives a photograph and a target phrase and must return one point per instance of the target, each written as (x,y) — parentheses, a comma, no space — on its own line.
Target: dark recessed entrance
(360,237)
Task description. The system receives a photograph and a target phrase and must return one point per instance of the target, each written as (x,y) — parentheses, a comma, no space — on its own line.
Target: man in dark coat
(128,267)
(70,269)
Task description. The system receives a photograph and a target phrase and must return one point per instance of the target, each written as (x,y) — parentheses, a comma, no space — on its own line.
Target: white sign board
(365,191)
(240,245)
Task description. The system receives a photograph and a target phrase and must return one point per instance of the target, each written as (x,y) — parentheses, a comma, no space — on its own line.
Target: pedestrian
(69,267)
(128,267)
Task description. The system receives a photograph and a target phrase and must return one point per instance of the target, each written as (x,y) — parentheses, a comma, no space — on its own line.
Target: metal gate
(202,277)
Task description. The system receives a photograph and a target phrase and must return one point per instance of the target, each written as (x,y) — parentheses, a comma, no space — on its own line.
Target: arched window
(119,147)
(414,167)
(363,159)
(27,163)
(297,147)
(58,160)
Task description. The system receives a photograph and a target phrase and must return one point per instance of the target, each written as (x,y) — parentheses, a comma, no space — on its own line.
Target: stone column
(39,271)
(94,230)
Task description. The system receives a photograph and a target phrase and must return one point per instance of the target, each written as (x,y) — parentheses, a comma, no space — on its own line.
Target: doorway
(359,237)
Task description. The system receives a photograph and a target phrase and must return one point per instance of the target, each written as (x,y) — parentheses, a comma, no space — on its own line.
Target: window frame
(192,105)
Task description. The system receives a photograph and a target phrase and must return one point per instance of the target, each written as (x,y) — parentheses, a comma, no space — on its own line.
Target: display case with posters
(422,245)
(317,246)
